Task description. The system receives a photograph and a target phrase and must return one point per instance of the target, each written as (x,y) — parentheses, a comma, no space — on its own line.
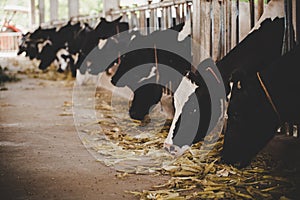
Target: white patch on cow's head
(186,31)
(102,43)
(151,74)
(181,96)
(42,45)
(62,62)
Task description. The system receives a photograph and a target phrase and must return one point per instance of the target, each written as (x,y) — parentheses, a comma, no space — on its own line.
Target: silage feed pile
(132,147)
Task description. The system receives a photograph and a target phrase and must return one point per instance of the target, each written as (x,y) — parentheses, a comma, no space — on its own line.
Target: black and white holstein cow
(32,43)
(254,53)
(95,41)
(259,106)
(51,45)
(258,49)
(151,62)
(58,46)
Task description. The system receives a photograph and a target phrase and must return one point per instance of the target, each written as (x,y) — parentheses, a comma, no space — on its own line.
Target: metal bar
(41,11)
(252,13)
(222,32)
(211,30)
(298,21)
(151,6)
(237,21)
(177,9)
(229,26)
(183,14)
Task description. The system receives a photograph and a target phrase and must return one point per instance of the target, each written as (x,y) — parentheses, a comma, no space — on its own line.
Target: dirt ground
(41,155)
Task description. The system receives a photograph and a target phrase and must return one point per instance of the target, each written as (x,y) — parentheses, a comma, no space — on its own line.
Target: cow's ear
(178,27)
(117,20)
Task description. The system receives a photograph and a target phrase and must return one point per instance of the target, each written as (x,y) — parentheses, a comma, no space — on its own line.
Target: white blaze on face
(62,62)
(151,74)
(102,43)
(181,96)
(186,30)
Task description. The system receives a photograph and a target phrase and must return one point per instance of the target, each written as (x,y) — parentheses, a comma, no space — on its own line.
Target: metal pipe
(237,21)
(252,13)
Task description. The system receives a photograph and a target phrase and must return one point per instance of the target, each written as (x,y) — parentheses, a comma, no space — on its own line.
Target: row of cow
(69,45)
(262,97)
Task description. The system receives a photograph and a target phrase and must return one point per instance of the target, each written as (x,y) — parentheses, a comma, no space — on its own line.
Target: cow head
(144,98)
(106,29)
(22,43)
(251,123)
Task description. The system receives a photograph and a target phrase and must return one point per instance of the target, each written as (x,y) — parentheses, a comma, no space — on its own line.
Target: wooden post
(53,10)
(260,8)
(177,10)
(152,18)
(73,8)
(196,30)
(32,13)
(41,11)
(142,22)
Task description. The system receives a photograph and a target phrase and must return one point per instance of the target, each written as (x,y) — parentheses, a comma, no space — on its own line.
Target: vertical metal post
(41,11)
(222,31)
(298,21)
(228,25)
(73,8)
(53,10)
(237,21)
(211,30)
(252,13)
(32,13)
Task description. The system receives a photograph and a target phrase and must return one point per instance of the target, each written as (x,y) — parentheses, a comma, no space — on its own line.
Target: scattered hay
(130,150)
(50,73)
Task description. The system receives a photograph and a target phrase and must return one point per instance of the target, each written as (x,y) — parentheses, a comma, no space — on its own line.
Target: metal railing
(9,41)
